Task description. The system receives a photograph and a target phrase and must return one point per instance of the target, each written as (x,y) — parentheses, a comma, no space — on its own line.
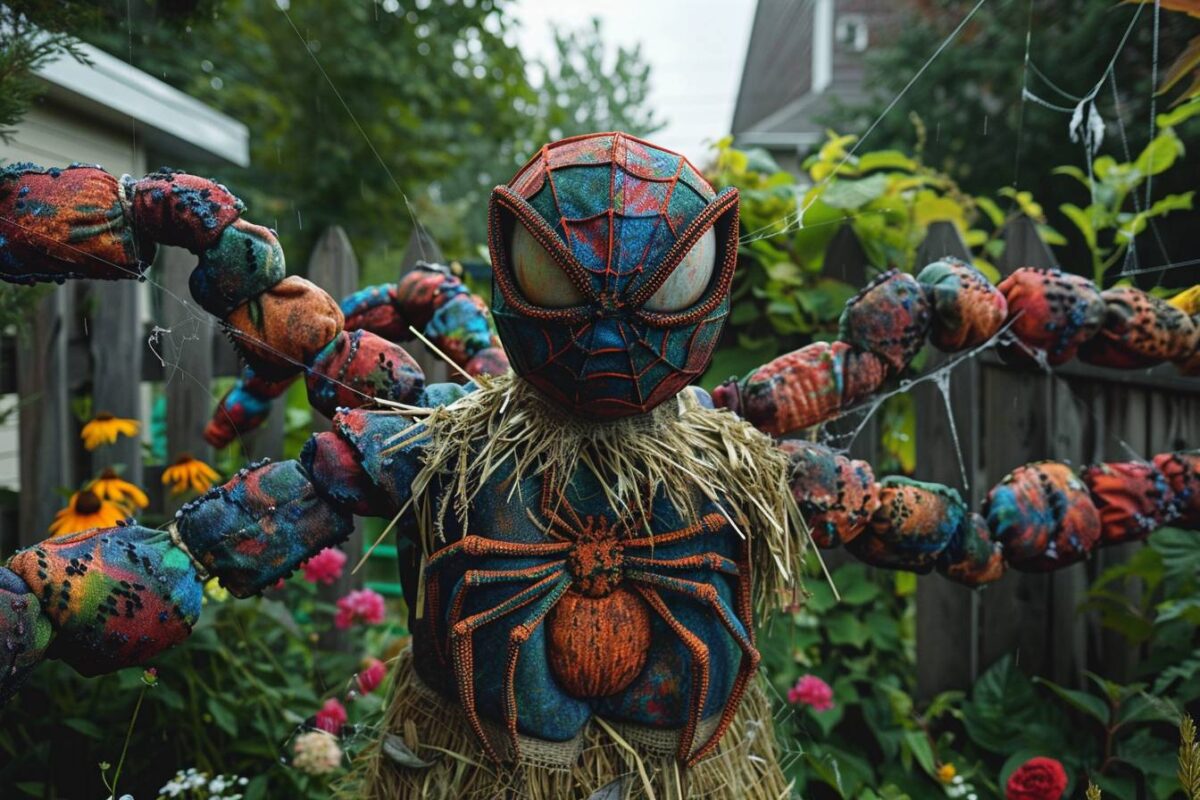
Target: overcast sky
(695,49)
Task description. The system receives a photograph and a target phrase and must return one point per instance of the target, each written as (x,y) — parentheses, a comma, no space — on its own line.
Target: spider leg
(701,561)
(709,523)
(462,642)
(700,659)
(433,596)
(707,593)
(516,640)
(480,546)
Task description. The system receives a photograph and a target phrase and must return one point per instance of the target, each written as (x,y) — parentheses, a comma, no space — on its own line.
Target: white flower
(317,753)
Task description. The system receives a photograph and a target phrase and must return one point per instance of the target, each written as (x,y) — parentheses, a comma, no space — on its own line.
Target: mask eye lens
(690,279)
(539,277)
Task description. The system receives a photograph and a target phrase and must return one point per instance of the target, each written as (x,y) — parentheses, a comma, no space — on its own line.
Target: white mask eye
(539,276)
(690,279)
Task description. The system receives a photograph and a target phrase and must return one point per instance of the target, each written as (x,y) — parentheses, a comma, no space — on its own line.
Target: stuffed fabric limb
(81,222)
(115,597)
(1042,314)
(428,298)
(1041,517)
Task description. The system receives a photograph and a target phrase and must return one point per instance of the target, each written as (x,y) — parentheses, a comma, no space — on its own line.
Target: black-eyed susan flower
(189,472)
(84,512)
(105,428)
(110,486)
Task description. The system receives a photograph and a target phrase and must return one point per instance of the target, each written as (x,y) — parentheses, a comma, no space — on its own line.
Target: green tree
(981,129)
(580,91)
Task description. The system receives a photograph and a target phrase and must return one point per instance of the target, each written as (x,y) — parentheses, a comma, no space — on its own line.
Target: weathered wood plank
(46,424)
(1023,247)
(947,613)
(334,268)
(117,346)
(186,348)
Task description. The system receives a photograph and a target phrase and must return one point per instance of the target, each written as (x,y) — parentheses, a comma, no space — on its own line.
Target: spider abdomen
(598,645)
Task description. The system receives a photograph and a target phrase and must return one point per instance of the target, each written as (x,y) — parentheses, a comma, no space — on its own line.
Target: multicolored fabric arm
(1046,315)
(115,597)
(429,298)
(81,222)
(1041,517)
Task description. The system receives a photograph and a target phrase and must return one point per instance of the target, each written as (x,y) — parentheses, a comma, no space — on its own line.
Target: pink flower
(325,567)
(363,605)
(371,676)
(331,717)
(811,691)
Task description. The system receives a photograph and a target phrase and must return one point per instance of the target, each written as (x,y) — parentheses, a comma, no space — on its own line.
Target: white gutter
(171,122)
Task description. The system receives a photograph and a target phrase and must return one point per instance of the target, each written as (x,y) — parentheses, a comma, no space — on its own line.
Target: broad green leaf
(1089,704)
(221,715)
(844,628)
(1082,220)
(991,210)
(1180,114)
(1160,154)
(86,727)
(1074,172)
(1103,166)
(1051,236)
(850,195)
(1002,707)
(931,208)
(1180,551)
(1025,202)
(886,159)
(918,744)
(1172,202)
(1147,708)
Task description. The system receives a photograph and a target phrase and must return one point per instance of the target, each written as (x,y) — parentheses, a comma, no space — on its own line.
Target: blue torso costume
(613,657)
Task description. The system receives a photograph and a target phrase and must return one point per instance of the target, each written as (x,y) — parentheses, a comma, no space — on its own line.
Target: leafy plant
(874,741)
(228,701)
(1113,219)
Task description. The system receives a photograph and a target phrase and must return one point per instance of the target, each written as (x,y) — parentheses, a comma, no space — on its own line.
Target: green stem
(125,747)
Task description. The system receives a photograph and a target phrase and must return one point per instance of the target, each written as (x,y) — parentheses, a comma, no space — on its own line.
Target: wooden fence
(91,336)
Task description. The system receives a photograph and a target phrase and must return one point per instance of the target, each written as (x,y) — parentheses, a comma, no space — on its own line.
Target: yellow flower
(189,472)
(946,773)
(84,512)
(1187,301)
(109,486)
(105,429)
(216,591)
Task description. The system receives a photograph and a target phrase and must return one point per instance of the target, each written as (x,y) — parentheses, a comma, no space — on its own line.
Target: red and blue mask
(612,260)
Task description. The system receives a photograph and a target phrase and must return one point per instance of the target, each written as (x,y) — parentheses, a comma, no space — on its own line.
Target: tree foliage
(986,134)
(366,114)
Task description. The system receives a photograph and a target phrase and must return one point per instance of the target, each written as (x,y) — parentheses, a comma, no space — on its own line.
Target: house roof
(798,123)
(171,122)
(778,66)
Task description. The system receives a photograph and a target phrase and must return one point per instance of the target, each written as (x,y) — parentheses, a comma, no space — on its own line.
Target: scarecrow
(593,537)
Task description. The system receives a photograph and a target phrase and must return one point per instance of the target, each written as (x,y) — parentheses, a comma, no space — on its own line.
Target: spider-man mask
(612,260)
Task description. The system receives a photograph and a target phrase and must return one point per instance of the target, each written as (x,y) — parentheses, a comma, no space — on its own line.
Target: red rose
(1037,779)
